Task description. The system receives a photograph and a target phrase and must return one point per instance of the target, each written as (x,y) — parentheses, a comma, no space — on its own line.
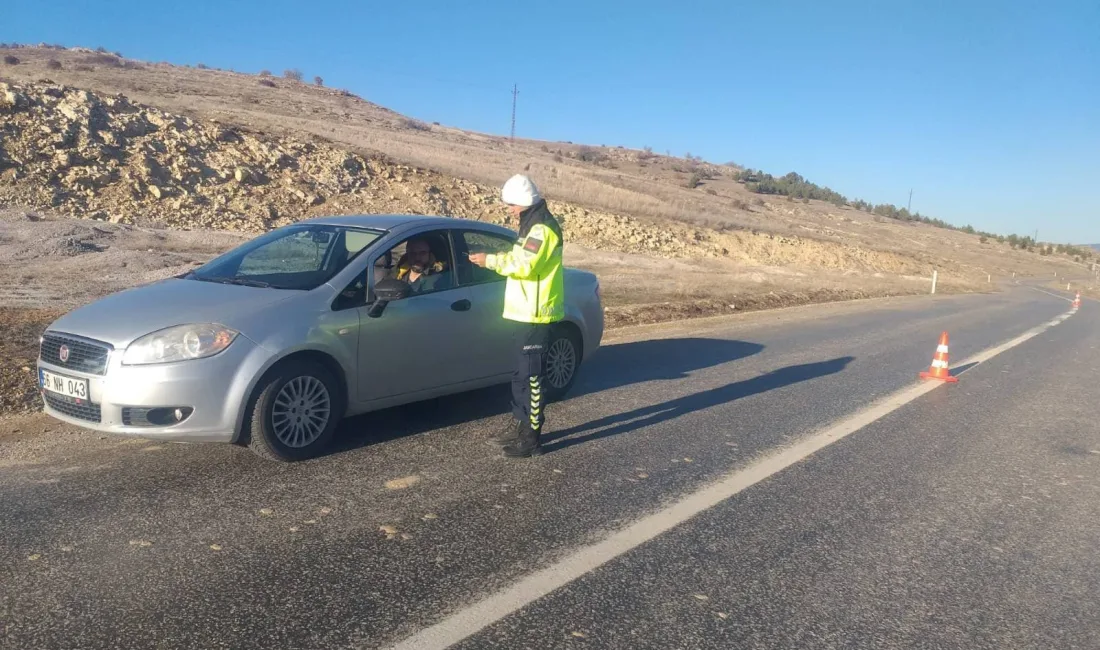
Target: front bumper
(214,389)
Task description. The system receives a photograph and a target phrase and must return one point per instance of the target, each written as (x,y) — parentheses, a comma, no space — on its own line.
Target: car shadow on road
(653,414)
(612,367)
(621,365)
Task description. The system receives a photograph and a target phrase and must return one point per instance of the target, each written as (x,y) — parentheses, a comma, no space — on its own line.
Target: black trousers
(530,342)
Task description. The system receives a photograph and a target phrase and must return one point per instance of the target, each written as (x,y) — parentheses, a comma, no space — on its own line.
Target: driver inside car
(419,267)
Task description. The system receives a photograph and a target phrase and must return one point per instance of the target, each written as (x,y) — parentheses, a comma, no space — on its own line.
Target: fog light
(155,417)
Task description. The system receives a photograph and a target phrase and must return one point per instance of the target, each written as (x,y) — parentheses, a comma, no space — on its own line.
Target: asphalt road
(966,518)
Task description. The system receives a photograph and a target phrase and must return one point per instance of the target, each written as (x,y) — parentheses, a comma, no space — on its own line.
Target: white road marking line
(1050,293)
(480,615)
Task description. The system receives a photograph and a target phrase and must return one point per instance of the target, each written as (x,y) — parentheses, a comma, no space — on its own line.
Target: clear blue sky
(989,110)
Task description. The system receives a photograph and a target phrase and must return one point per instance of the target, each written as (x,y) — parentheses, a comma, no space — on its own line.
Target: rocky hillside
(110,159)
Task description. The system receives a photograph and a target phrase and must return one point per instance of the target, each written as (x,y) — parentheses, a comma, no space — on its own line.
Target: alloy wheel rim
(561,363)
(301,412)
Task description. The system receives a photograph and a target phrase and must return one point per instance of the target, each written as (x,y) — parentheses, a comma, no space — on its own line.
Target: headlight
(179,343)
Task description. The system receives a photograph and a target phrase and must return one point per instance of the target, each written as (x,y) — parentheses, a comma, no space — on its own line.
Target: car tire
(563,352)
(285,423)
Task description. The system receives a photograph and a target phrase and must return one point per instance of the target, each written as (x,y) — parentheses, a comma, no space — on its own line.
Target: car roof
(397,221)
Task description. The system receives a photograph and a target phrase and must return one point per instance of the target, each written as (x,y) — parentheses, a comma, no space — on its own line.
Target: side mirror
(385,292)
(321,237)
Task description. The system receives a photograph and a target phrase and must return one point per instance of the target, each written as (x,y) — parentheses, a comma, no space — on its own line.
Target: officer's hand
(478,258)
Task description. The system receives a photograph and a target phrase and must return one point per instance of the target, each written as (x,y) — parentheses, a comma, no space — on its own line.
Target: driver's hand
(478,258)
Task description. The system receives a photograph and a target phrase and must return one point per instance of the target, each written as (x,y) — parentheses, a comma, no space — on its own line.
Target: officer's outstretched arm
(528,259)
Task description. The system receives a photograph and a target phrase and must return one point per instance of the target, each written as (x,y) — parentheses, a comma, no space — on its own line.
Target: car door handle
(461,305)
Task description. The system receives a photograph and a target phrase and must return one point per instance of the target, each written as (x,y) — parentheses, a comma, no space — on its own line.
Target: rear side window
(469,241)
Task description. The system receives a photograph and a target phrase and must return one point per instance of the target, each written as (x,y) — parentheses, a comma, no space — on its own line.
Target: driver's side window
(423,261)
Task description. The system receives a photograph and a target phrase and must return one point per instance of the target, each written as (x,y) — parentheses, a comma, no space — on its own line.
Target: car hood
(122,317)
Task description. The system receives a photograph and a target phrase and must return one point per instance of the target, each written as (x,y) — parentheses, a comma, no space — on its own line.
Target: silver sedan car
(271,344)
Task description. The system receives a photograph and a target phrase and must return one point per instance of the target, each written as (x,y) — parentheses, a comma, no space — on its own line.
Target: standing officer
(534,296)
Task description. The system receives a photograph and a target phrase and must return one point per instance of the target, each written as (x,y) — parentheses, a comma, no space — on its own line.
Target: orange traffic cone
(939,368)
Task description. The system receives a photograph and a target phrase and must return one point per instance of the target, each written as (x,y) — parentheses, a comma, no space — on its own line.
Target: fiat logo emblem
(63,353)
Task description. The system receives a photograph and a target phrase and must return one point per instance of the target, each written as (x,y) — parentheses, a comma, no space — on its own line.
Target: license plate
(67,386)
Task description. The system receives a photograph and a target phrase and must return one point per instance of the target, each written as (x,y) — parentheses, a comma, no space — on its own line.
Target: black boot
(527,445)
(510,435)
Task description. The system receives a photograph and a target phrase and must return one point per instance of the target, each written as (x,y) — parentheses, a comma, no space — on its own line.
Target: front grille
(82,411)
(83,355)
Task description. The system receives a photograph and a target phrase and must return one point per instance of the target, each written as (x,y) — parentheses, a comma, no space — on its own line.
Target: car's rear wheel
(296,412)
(563,360)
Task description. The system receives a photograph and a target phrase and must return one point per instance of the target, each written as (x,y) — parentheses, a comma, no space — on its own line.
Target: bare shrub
(11,59)
(267,82)
(415,125)
(591,154)
(103,58)
(202,66)
(739,204)
(317,81)
(265,73)
(53,64)
(293,74)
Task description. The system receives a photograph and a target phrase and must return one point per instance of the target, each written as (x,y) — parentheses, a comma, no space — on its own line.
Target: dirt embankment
(110,159)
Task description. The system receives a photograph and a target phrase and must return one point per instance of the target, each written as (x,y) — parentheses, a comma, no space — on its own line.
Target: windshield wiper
(244,282)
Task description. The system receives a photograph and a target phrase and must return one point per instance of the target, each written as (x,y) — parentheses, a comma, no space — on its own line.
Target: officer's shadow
(653,414)
(611,367)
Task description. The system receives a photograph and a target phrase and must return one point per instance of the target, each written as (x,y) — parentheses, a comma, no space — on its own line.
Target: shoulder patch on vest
(532,245)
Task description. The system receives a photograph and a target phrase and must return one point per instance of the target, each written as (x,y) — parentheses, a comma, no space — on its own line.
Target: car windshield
(301,256)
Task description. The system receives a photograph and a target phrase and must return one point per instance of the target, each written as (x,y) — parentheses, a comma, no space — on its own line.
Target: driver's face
(419,255)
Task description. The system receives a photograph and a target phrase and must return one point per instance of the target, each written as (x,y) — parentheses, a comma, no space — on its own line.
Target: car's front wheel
(296,412)
(563,360)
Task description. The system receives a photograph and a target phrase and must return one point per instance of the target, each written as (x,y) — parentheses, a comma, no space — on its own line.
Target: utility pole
(515,92)
(909,205)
